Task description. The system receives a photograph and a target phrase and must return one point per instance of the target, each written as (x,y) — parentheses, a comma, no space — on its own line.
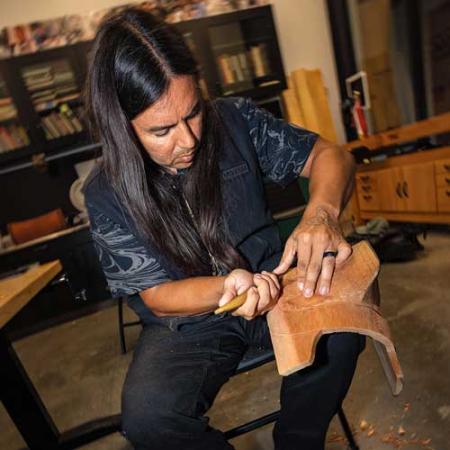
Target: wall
(305,40)
(302,26)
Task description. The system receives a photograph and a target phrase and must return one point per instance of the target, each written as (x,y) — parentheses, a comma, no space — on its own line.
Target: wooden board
(428,127)
(312,98)
(17,291)
(297,323)
(440,217)
(293,111)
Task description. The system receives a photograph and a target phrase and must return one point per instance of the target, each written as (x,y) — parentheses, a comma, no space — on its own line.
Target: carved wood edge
(296,324)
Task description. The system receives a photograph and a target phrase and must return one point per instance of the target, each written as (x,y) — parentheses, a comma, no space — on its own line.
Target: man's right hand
(263,290)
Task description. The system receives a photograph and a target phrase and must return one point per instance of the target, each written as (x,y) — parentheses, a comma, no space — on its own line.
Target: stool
(252,359)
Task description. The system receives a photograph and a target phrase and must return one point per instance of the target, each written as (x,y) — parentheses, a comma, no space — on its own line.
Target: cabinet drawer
(366,179)
(443,180)
(443,199)
(442,166)
(366,188)
(368,201)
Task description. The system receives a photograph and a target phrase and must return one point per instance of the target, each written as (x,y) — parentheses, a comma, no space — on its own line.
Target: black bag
(396,244)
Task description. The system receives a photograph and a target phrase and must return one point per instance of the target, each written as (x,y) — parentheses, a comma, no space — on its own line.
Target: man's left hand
(316,234)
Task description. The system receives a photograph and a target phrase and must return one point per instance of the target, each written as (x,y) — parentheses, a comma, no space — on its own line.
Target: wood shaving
(363,425)
(336,438)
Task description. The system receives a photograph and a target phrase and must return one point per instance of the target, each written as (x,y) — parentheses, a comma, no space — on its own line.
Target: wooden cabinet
(442,171)
(418,187)
(391,197)
(410,188)
(367,191)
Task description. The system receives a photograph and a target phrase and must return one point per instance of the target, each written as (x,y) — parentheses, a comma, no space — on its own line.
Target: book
(225,69)
(258,59)
(50,127)
(236,67)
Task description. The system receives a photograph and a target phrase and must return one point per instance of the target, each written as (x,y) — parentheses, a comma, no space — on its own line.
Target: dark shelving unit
(27,192)
(46,86)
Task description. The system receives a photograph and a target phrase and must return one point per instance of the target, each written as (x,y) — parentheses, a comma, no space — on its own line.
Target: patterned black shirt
(282,150)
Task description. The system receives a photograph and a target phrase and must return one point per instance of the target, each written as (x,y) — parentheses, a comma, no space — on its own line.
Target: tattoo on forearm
(323,218)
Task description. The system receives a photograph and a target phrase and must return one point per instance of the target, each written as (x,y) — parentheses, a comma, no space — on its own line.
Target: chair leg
(347,431)
(123,346)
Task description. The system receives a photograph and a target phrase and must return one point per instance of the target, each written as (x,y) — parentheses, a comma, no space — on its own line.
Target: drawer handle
(367,188)
(447,180)
(405,189)
(398,190)
(448,193)
(368,197)
(447,167)
(367,177)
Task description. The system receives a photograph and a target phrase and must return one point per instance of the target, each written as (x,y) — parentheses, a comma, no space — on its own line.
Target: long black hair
(133,59)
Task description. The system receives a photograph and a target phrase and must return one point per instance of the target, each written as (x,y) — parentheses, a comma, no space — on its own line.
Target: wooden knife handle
(233,304)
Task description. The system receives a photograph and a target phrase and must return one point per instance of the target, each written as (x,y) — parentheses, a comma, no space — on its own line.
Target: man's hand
(315,235)
(263,290)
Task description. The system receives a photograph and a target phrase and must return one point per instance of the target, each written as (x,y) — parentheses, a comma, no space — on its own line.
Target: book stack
(61,123)
(12,134)
(12,137)
(234,68)
(52,89)
(50,85)
(244,65)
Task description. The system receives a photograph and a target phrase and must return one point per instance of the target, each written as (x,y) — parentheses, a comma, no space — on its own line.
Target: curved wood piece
(296,323)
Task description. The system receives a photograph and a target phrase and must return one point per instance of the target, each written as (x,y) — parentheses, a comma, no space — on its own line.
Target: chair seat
(254,357)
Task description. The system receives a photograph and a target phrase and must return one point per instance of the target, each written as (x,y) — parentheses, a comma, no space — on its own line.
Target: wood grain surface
(296,323)
(16,291)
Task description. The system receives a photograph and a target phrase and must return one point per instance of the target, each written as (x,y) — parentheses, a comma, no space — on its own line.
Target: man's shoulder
(98,192)
(232,104)
(234,110)
(95,182)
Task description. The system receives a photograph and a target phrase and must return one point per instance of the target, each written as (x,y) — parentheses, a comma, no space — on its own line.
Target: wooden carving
(296,323)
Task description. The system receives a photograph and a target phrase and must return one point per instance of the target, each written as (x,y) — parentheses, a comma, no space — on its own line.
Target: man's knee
(146,417)
(345,346)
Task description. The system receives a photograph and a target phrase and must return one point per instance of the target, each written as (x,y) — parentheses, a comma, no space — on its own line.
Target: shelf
(12,120)
(11,156)
(23,161)
(428,127)
(244,43)
(228,45)
(233,88)
(51,74)
(75,101)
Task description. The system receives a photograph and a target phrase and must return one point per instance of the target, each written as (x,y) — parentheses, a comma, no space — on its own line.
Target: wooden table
(19,396)
(16,291)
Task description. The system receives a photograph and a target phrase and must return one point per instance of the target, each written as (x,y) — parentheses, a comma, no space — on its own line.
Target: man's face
(170,129)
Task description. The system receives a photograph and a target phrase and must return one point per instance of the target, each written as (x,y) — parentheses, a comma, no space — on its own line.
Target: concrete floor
(78,370)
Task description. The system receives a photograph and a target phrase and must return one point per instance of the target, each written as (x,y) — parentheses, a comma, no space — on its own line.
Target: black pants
(176,374)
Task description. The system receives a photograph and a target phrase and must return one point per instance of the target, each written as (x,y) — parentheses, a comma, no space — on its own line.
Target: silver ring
(330,253)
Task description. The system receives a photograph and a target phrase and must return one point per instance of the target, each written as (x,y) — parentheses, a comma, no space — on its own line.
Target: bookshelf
(41,109)
(45,88)
(13,135)
(238,53)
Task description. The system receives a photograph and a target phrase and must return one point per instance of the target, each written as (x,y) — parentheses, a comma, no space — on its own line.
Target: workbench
(18,395)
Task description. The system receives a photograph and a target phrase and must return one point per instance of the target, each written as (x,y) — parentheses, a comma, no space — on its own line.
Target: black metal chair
(252,359)
(123,325)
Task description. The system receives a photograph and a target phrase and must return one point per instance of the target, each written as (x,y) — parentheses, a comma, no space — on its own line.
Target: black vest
(252,230)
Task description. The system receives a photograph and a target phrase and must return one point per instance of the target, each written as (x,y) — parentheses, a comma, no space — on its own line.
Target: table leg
(22,401)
